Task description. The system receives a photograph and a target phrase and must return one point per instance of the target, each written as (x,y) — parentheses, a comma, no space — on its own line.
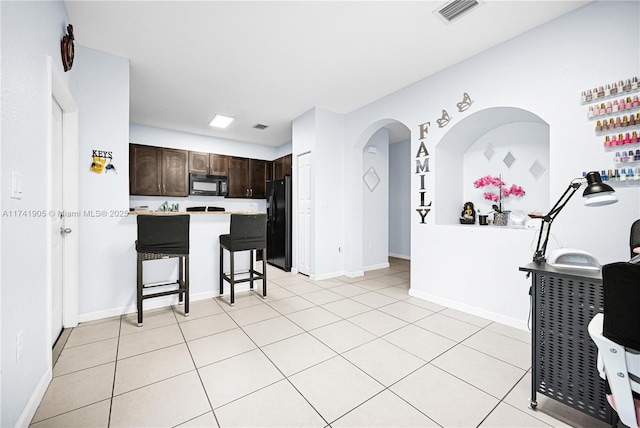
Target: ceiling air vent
(260,126)
(455,9)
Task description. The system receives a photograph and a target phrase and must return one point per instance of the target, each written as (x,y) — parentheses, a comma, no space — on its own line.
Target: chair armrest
(615,367)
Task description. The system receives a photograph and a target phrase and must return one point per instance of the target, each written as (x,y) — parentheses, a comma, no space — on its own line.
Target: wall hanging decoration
(422,156)
(444,120)
(371,179)
(99,159)
(465,103)
(68,49)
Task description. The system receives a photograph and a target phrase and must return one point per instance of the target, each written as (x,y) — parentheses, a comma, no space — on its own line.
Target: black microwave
(208,185)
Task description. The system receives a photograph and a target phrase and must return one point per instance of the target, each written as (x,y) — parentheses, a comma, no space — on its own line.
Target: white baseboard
(38,393)
(400,256)
(160,302)
(326,275)
(512,322)
(354,274)
(374,267)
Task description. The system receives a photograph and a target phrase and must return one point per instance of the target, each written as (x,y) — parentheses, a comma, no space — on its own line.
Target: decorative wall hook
(68,49)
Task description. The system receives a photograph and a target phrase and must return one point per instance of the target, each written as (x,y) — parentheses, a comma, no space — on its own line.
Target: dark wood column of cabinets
(144,170)
(238,178)
(258,171)
(156,171)
(247,178)
(281,167)
(208,163)
(175,173)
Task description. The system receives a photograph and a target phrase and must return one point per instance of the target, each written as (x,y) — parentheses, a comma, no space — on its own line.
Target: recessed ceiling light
(220,121)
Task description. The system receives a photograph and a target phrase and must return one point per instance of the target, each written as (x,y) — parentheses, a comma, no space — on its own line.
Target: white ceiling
(270,61)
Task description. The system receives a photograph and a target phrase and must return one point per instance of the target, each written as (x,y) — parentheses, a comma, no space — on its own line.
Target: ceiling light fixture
(220,121)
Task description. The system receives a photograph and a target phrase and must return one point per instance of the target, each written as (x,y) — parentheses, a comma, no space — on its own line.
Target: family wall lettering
(422,156)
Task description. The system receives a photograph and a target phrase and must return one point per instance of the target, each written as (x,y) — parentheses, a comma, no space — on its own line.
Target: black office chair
(163,237)
(616,333)
(248,233)
(634,238)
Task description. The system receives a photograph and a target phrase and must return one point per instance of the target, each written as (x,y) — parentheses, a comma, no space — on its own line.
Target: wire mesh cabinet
(563,357)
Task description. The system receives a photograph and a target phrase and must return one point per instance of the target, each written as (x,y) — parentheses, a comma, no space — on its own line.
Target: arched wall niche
(506,141)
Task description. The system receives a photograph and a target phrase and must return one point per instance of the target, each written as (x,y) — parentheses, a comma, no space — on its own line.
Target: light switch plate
(16,185)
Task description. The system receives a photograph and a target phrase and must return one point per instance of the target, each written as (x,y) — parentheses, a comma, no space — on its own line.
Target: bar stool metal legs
(182,282)
(254,275)
(163,237)
(248,232)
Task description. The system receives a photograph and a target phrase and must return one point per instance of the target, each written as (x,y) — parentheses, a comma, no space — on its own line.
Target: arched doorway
(385,194)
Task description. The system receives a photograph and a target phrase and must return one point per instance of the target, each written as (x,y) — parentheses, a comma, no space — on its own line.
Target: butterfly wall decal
(465,103)
(444,120)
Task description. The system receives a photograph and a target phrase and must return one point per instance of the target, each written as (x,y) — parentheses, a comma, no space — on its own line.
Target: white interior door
(57,223)
(304,213)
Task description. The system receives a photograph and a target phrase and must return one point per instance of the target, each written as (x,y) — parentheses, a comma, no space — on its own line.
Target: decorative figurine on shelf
(468,215)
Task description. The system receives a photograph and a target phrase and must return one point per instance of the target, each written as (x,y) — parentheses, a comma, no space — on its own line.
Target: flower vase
(500,219)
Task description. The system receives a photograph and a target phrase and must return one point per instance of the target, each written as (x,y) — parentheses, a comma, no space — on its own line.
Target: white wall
(400,215)
(31,31)
(102,94)
(321,132)
(375,223)
(542,72)
(329,194)
(150,136)
(303,141)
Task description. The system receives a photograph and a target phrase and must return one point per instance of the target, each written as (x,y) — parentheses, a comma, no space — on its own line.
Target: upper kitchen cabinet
(156,171)
(175,173)
(208,163)
(281,167)
(144,170)
(247,178)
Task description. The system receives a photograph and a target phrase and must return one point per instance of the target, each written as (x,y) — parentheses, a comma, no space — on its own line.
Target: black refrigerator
(279,223)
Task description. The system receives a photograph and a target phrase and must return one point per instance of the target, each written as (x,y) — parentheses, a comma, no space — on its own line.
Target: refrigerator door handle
(271,209)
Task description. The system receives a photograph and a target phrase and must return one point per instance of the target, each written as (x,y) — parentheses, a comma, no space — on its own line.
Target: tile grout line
(198,373)
(115,370)
(277,368)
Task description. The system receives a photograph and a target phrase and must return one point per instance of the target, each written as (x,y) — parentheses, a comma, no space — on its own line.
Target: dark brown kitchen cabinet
(281,167)
(175,173)
(247,178)
(144,170)
(198,163)
(258,179)
(208,163)
(156,171)
(238,178)
(218,164)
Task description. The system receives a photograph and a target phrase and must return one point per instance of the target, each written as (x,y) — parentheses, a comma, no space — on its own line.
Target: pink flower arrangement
(503,190)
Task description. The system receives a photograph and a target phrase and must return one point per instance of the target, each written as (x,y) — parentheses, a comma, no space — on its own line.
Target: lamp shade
(597,193)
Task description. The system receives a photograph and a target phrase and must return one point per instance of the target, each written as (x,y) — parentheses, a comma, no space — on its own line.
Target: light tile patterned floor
(345,352)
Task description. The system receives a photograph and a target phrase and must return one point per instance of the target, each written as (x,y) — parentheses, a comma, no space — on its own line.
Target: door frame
(296,214)
(59,90)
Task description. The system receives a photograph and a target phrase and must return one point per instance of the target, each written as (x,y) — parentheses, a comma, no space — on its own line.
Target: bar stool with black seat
(248,233)
(163,237)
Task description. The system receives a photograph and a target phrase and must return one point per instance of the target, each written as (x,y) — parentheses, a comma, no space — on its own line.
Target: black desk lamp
(597,194)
